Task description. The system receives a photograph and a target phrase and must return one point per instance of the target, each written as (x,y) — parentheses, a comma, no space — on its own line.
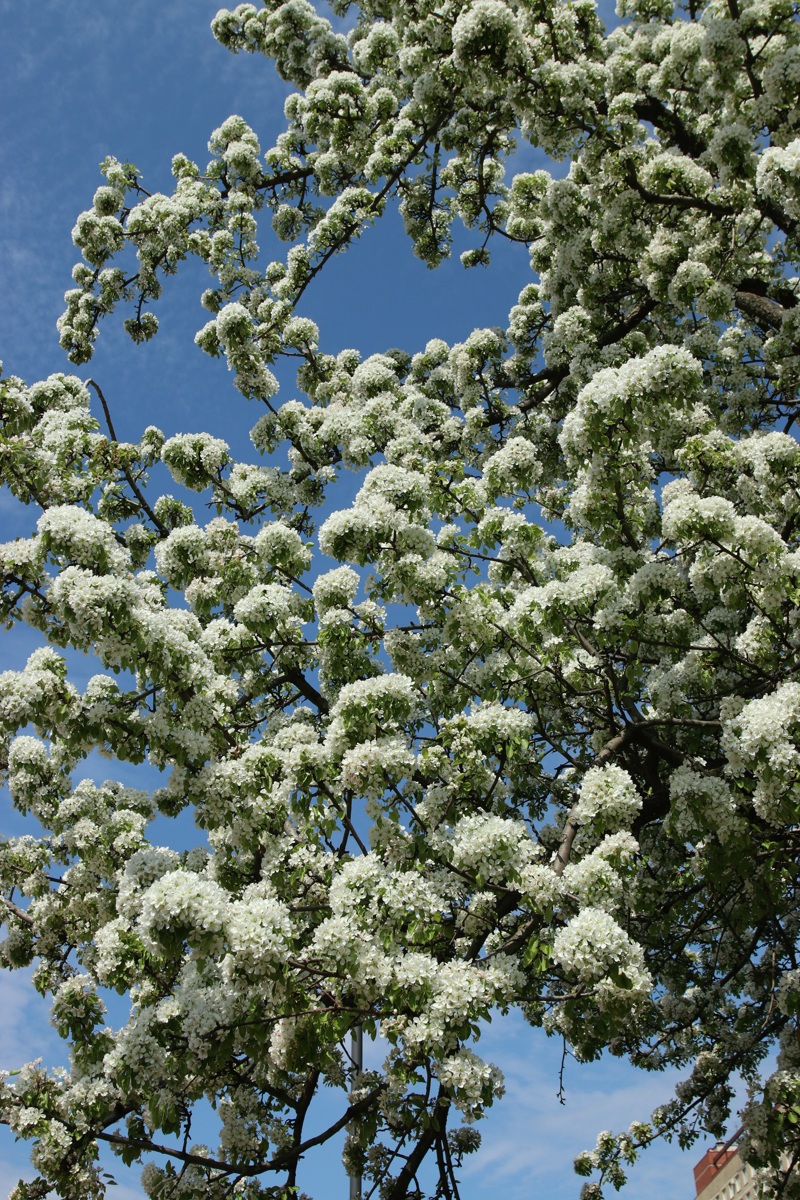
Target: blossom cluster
(515,723)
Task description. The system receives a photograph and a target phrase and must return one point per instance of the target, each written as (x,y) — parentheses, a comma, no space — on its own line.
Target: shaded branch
(282,1160)
(400,1188)
(637,731)
(354,1110)
(552,376)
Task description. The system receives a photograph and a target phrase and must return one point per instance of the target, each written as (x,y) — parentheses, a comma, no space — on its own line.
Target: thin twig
(126,471)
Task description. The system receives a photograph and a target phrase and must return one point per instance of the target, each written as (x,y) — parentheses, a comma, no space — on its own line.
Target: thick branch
(760,308)
(552,376)
(679,201)
(654,111)
(298,680)
(401,1185)
(18,912)
(670,125)
(571,826)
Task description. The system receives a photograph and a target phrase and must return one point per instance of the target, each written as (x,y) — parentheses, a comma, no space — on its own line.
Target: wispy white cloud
(123,1189)
(64,108)
(530,1139)
(14,1167)
(26,1034)
(25,1030)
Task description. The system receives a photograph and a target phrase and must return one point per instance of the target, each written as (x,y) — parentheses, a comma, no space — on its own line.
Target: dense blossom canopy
(533,742)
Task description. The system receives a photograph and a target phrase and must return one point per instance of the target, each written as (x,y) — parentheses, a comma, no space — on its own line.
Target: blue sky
(143,81)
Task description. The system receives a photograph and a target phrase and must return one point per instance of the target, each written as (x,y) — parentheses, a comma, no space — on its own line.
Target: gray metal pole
(357,1059)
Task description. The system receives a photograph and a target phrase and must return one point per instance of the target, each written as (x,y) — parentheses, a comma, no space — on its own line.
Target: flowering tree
(532,743)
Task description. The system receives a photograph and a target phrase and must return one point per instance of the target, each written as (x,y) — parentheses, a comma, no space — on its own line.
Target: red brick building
(721,1175)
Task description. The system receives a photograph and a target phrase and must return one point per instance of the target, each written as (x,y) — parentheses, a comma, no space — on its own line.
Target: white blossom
(476,690)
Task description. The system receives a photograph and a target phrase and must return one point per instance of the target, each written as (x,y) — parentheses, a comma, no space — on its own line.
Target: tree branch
(281,1161)
(631,733)
(760,307)
(399,1189)
(18,912)
(126,471)
(552,376)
